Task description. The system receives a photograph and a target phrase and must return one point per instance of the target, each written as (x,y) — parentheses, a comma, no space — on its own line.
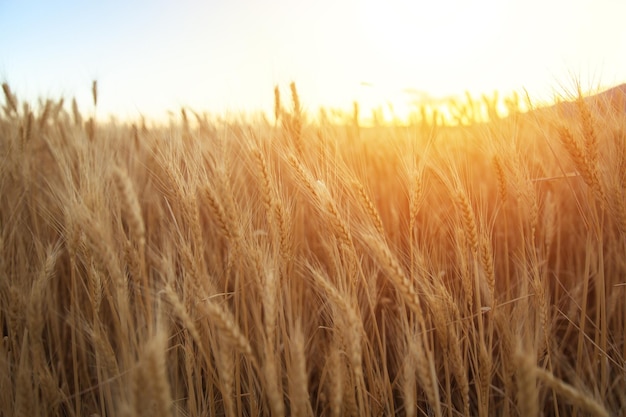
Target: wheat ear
(131,205)
(227,327)
(571,394)
(394,271)
(10,99)
(370,208)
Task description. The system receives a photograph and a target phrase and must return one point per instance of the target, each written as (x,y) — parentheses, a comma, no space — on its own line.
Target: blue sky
(153,56)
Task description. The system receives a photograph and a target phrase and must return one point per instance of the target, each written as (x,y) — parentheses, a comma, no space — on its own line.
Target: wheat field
(302,267)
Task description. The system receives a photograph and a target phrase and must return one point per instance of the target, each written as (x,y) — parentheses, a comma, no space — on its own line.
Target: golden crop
(310,268)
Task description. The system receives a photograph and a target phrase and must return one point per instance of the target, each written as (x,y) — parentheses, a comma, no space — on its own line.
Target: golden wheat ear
(94,92)
(11,100)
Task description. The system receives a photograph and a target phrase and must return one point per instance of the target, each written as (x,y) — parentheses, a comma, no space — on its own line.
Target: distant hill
(613,99)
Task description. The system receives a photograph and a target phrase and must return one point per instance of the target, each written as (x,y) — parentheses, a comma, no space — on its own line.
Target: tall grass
(296,268)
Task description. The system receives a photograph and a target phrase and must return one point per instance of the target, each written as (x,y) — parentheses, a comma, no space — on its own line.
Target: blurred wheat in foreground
(302,268)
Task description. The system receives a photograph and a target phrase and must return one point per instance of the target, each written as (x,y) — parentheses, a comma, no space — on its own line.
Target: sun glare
(329,207)
(393,57)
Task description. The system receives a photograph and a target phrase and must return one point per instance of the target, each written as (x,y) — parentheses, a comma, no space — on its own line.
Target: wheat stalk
(501,177)
(131,205)
(78,119)
(591,140)
(369,207)
(227,327)
(396,274)
(426,373)
(297,375)
(585,166)
(324,300)
(226,369)
(156,372)
(24,393)
(336,379)
(270,372)
(416,192)
(183,315)
(527,391)
(35,311)
(277,107)
(451,316)
(45,114)
(94,92)
(487,261)
(10,99)
(468,220)
(409,386)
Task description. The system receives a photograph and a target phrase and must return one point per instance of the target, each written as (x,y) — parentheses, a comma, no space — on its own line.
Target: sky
(226,56)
